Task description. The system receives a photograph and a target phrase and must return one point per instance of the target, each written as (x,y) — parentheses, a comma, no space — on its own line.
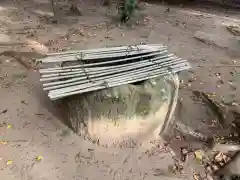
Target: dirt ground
(36,145)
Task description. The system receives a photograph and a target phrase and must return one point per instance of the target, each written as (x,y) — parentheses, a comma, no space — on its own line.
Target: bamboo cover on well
(94,69)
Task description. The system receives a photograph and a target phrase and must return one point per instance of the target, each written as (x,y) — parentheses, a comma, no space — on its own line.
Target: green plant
(127,9)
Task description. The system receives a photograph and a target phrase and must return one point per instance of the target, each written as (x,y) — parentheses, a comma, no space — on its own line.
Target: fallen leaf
(209,169)
(234,29)
(196,176)
(9,126)
(209,177)
(24,102)
(38,114)
(9,162)
(3,142)
(178,137)
(221,81)
(226,158)
(199,155)
(192,79)
(235,104)
(167,10)
(39,158)
(218,157)
(221,164)
(215,167)
(232,86)
(184,151)
(213,94)
(4,111)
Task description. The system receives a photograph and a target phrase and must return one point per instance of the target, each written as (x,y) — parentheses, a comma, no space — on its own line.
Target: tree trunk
(74,9)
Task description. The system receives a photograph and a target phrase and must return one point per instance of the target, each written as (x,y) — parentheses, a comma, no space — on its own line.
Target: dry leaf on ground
(3,142)
(199,155)
(39,158)
(9,126)
(9,162)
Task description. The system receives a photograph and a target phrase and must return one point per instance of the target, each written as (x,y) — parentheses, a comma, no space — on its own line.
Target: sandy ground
(30,124)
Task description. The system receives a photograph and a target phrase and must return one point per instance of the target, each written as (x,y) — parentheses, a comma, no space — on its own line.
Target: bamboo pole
(116,83)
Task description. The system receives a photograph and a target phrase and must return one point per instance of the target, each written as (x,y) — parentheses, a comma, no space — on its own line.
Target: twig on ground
(219,65)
